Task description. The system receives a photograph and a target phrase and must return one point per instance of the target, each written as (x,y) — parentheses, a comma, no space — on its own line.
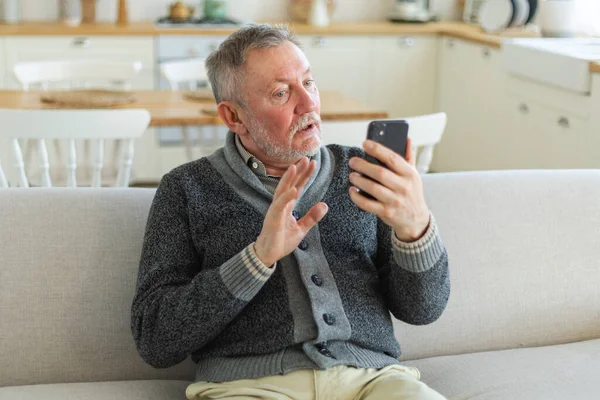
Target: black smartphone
(390,133)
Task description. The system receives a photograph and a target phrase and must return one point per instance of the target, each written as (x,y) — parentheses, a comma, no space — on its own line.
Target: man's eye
(309,83)
(280,94)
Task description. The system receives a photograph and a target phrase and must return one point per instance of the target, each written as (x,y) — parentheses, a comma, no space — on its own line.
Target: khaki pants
(343,383)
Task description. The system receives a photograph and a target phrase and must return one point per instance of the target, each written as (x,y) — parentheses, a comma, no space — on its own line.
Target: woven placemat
(210,109)
(85,98)
(201,94)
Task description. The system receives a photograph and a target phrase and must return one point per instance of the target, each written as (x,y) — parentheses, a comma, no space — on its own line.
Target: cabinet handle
(320,41)
(81,42)
(487,52)
(406,41)
(212,47)
(524,108)
(451,43)
(564,122)
(193,52)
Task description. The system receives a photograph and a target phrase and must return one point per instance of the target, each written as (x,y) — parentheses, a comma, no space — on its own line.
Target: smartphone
(390,133)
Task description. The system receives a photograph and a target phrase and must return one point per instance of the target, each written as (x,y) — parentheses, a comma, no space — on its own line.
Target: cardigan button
(303,245)
(329,319)
(317,280)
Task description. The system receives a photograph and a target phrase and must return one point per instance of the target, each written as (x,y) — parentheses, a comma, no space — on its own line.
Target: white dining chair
(425,132)
(70,126)
(75,74)
(190,74)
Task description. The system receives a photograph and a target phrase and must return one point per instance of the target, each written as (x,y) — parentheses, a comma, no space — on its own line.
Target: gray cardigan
(202,291)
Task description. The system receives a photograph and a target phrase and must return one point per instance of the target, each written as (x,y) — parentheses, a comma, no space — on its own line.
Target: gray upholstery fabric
(524,261)
(125,390)
(68,268)
(570,371)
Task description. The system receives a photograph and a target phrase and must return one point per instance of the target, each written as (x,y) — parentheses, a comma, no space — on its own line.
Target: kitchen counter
(454,29)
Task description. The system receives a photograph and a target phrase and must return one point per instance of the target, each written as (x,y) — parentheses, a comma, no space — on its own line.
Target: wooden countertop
(456,29)
(171,108)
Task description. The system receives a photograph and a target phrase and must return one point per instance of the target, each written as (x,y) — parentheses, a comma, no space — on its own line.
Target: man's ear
(230,114)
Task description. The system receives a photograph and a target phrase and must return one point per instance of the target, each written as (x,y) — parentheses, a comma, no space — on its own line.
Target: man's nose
(306,101)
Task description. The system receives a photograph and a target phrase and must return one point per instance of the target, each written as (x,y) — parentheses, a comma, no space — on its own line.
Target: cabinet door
(550,137)
(110,48)
(471,91)
(341,63)
(404,75)
(2,63)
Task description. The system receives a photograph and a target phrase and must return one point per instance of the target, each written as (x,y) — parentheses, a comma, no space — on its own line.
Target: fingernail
(351,162)
(368,144)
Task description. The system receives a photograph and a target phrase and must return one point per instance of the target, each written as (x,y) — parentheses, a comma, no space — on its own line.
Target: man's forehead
(285,75)
(279,60)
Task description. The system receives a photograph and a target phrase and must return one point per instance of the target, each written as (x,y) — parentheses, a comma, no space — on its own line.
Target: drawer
(37,48)
(552,97)
(185,46)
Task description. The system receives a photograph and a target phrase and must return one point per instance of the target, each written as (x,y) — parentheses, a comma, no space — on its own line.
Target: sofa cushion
(68,269)
(122,390)
(568,371)
(523,253)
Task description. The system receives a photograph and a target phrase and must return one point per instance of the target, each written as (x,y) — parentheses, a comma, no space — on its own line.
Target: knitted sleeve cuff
(244,274)
(422,254)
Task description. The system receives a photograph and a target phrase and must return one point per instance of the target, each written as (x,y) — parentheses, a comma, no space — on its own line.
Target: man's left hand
(398,191)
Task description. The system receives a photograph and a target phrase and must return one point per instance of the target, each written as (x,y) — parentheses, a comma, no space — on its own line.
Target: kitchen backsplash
(254,10)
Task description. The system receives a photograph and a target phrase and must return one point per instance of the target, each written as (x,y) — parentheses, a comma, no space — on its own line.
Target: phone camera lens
(381,133)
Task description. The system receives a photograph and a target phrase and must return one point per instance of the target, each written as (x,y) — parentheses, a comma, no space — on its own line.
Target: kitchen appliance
(411,11)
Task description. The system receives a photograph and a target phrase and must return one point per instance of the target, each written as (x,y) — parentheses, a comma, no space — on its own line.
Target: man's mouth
(308,129)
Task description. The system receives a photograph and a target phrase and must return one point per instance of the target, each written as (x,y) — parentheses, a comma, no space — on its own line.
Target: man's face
(282,104)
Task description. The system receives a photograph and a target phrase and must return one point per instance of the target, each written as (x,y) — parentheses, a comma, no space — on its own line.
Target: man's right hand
(281,233)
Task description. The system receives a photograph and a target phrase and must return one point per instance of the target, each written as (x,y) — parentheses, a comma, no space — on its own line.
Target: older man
(264,262)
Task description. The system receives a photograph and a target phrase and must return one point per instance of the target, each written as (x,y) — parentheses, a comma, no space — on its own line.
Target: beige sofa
(523,321)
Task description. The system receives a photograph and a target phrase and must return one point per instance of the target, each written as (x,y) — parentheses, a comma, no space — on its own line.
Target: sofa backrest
(68,269)
(524,255)
(523,251)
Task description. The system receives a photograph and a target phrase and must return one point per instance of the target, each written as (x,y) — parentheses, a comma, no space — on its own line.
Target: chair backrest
(189,73)
(425,132)
(71,126)
(76,73)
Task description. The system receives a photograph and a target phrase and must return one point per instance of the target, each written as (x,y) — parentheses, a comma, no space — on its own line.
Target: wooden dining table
(175,108)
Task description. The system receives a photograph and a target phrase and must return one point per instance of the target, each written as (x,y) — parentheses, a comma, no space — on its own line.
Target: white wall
(149,10)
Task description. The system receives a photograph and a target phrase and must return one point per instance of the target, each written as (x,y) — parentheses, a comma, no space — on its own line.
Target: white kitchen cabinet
(471,91)
(341,63)
(403,82)
(112,48)
(552,127)
(2,62)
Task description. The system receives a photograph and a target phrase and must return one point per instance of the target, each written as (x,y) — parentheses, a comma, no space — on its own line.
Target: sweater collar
(313,191)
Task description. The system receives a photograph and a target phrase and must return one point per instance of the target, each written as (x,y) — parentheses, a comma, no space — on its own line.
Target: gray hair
(225,65)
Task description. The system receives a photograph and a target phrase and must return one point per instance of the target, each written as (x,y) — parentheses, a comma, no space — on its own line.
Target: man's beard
(270,148)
